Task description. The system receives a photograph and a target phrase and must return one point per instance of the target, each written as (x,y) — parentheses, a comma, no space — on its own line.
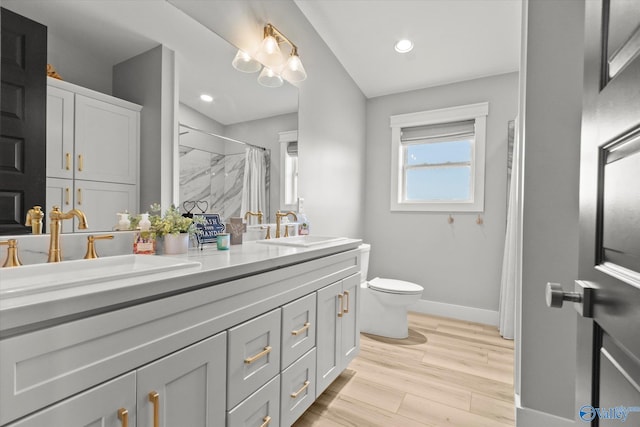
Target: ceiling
(454,40)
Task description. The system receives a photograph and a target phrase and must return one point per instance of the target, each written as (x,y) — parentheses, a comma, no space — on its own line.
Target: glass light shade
(245,63)
(269,53)
(294,71)
(269,78)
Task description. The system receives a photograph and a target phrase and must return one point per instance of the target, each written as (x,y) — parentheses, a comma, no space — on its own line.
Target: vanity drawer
(298,388)
(298,328)
(253,356)
(262,408)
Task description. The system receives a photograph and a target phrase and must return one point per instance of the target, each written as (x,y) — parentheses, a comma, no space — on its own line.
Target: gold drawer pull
(301,330)
(79,196)
(80,163)
(303,388)
(341,305)
(67,193)
(346,293)
(123,416)
(263,353)
(266,420)
(67,162)
(154,398)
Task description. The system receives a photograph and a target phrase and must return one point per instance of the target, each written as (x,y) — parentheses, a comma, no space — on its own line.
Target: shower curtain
(254,183)
(511,259)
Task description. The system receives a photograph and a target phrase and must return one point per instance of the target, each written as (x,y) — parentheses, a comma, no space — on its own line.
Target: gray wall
(458,263)
(552,115)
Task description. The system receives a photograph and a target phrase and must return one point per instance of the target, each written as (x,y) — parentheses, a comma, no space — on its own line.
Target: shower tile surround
(216,178)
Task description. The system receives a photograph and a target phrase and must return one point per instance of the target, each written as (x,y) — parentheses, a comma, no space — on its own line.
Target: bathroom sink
(301,241)
(32,279)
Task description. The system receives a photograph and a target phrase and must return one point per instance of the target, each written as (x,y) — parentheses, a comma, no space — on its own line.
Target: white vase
(176,243)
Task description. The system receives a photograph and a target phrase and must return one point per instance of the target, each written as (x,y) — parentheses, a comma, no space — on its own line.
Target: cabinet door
(329,336)
(254,356)
(350,323)
(101,200)
(298,328)
(59,193)
(106,142)
(185,388)
(60,113)
(99,406)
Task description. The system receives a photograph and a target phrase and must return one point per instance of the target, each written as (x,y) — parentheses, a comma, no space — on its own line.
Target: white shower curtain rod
(221,137)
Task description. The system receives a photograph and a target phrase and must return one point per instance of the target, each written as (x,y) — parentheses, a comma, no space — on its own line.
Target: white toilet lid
(392,286)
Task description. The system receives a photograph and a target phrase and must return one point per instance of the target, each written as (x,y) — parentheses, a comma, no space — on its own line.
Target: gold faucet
(279,216)
(91,245)
(12,253)
(34,219)
(249,213)
(56,216)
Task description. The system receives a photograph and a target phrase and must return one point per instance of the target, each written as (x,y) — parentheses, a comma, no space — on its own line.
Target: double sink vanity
(248,336)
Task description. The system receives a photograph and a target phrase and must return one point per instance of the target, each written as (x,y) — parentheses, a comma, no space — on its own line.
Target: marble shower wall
(215,178)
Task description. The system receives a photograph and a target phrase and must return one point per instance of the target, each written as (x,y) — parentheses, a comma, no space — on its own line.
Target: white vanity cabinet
(338,339)
(218,352)
(93,144)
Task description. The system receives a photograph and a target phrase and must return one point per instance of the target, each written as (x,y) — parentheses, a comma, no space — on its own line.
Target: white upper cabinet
(60,119)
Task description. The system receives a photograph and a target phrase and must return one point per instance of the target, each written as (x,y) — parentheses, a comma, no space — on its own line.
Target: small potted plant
(172,227)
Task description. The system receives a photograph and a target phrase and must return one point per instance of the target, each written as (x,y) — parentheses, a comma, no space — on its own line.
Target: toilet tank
(365,248)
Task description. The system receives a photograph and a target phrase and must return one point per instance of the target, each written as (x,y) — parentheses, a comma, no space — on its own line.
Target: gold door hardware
(340,298)
(346,293)
(91,245)
(303,388)
(79,196)
(266,420)
(12,253)
(301,330)
(263,353)
(67,194)
(80,163)
(34,219)
(123,416)
(154,398)
(67,161)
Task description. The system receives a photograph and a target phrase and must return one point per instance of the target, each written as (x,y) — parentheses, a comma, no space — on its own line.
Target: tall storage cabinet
(93,144)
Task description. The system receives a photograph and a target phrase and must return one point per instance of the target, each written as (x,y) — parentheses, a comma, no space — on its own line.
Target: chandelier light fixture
(275,66)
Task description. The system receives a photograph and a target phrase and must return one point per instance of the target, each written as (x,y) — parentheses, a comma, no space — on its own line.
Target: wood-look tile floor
(447,373)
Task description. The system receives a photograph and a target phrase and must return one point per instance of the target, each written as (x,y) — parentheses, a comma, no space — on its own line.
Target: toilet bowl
(384,302)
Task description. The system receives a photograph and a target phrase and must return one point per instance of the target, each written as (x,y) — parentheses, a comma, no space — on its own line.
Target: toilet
(384,302)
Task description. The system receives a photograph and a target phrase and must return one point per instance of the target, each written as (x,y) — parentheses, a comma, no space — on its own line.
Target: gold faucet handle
(268,236)
(286,229)
(91,245)
(12,253)
(34,219)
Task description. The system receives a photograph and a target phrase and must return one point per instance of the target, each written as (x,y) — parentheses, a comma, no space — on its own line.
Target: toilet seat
(392,286)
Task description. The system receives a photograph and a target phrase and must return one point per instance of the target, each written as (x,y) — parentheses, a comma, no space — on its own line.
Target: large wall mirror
(87,38)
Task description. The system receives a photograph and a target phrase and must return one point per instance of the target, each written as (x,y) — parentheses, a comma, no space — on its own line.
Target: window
(438,159)
(289,170)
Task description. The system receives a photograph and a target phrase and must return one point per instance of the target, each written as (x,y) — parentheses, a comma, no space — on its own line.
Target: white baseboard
(460,312)
(527,417)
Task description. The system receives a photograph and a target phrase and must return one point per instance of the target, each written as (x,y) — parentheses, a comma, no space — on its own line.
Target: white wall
(459,263)
(189,116)
(552,107)
(331,114)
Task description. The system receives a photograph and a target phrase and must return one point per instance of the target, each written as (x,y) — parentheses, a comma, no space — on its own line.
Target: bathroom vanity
(249,336)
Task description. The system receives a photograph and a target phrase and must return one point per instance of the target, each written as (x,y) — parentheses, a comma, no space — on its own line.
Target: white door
(328,336)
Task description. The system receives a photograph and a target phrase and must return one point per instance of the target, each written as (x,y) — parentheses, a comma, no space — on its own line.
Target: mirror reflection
(87,39)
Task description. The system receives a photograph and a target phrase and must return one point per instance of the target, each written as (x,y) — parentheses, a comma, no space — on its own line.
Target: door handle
(582,297)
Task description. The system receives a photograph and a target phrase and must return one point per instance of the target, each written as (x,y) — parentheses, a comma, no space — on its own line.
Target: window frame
(476,112)
(285,138)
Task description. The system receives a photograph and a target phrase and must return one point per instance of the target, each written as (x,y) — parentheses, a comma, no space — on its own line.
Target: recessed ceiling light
(404,46)
(206,98)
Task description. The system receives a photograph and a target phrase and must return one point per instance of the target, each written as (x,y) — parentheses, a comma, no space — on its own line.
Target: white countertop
(250,258)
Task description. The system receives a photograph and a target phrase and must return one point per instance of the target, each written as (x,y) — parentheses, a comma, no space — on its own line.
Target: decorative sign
(209,228)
